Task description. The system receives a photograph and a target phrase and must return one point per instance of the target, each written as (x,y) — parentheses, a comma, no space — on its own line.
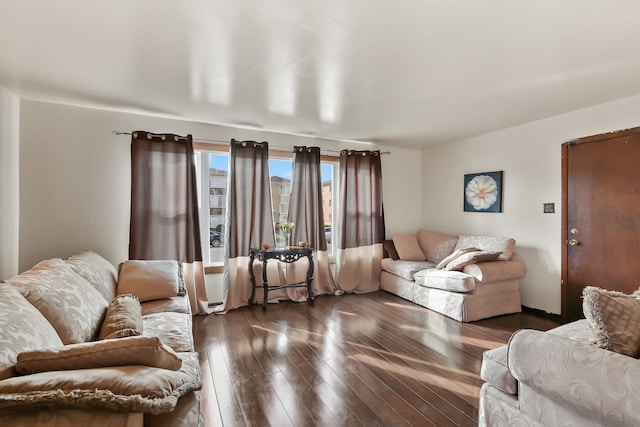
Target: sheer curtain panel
(361,221)
(164,208)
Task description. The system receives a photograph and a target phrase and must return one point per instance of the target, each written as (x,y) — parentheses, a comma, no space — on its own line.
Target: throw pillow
(469,258)
(489,244)
(408,247)
(72,306)
(436,246)
(614,320)
(123,319)
(22,328)
(390,250)
(454,255)
(145,351)
(131,388)
(150,279)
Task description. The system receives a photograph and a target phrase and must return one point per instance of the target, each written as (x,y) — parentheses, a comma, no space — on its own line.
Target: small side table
(288,255)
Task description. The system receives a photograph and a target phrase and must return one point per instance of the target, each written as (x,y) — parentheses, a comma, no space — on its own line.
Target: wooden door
(601,216)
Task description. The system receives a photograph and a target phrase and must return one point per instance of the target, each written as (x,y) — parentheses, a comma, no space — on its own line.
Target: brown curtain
(305,210)
(361,221)
(164,207)
(249,220)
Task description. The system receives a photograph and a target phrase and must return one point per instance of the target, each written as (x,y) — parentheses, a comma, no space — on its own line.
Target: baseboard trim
(542,313)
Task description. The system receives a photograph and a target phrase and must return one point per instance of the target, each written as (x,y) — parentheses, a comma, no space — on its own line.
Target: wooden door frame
(564,269)
(565,214)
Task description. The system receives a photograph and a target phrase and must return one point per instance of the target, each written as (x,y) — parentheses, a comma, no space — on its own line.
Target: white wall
(9,183)
(75,177)
(530,156)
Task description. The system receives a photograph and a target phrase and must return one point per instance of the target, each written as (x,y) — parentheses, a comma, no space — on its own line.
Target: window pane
(326,175)
(218,170)
(280,171)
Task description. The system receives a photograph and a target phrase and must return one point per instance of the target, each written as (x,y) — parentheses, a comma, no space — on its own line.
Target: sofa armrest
(496,271)
(597,383)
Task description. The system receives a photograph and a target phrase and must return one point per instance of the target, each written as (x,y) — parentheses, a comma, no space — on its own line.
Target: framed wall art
(483,192)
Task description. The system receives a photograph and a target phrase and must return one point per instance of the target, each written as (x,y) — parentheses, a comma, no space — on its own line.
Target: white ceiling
(406,72)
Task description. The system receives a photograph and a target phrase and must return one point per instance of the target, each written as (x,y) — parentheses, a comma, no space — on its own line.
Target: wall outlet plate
(549,207)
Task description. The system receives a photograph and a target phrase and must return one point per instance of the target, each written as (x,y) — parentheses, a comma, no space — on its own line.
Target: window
(213,168)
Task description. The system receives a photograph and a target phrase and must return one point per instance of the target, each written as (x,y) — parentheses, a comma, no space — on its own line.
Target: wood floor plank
(350,360)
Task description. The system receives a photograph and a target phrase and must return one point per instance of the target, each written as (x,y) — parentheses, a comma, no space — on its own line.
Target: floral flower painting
(483,192)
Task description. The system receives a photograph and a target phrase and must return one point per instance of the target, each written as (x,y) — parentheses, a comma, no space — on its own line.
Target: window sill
(213,269)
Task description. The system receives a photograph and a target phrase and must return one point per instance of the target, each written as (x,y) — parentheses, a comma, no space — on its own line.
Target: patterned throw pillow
(72,306)
(456,254)
(22,328)
(489,244)
(614,320)
(469,258)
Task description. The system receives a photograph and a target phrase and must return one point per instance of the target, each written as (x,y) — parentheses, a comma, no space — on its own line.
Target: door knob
(574,242)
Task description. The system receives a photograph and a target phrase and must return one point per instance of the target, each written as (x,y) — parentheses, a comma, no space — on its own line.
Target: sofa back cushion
(436,246)
(72,306)
(96,270)
(22,328)
(488,244)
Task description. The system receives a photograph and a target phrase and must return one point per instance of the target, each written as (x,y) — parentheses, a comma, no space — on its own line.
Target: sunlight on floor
(485,344)
(411,360)
(412,307)
(433,380)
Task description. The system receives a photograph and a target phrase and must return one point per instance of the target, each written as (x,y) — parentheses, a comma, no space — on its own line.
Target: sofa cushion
(495,370)
(130,388)
(123,318)
(150,279)
(173,329)
(489,244)
(470,258)
(22,328)
(436,246)
(455,281)
(99,272)
(72,306)
(145,351)
(614,320)
(408,248)
(405,269)
(174,304)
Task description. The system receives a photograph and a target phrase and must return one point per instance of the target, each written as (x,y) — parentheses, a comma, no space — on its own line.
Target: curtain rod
(221,142)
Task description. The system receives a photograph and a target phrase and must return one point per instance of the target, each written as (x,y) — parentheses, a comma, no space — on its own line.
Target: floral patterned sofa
(584,373)
(84,345)
(464,277)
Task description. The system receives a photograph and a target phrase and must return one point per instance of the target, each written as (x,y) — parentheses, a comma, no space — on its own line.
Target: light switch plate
(549,207)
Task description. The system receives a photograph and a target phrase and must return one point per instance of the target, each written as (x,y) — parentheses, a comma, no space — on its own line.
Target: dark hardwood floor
(352,360)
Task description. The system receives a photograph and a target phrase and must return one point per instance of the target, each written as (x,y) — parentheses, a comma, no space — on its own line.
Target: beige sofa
(81,345)
(464,277)
(584,373)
